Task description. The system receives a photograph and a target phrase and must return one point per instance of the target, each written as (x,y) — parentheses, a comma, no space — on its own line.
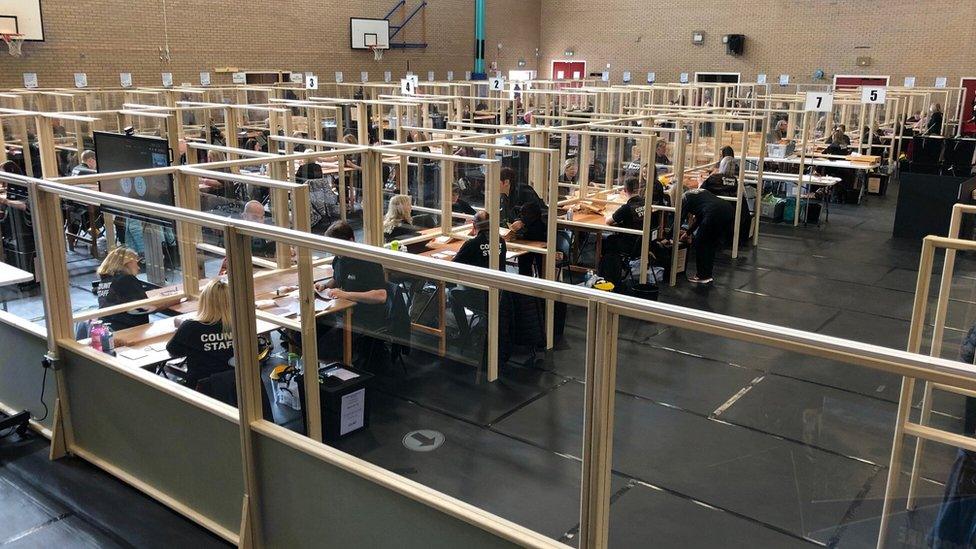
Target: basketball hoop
(14,43)
(377,53)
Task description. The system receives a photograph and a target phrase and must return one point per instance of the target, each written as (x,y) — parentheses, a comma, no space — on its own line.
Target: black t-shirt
(462,206)
(207,348)
(356,275)
(402,230)
(507,210)
(706,207)
(119,289)
(534,230)
(476,252)
(631,214)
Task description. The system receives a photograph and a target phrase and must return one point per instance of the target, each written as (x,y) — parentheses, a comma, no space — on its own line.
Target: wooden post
(676,196)
(739,190)
(803,159)
(760,166)
(247,373)
(492,205)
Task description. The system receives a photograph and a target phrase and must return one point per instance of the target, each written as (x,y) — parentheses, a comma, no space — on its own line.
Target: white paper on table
(132,354)
(343,374)
(352,411)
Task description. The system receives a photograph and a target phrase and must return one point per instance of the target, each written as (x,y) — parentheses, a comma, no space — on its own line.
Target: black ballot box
(345,395)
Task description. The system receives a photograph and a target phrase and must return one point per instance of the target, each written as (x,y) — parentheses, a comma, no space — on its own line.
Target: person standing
(710,219)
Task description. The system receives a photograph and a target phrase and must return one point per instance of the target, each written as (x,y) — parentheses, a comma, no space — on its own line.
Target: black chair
(564,245)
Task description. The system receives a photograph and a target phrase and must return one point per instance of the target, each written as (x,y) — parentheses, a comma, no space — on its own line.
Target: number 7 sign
(819,102)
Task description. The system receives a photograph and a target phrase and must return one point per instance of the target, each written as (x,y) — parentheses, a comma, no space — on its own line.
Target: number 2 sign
(819,102)
(496,83)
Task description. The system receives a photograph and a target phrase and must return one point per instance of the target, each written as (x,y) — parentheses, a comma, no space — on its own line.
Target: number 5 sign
(496,83)
(874,95)
(819,102)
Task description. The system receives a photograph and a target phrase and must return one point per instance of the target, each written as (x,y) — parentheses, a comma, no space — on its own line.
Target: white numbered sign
(125,79)
(874,95)
(496,83)
(204,78)
(683,78)
(408,86)
(819,102)
(761,79)
(311,82)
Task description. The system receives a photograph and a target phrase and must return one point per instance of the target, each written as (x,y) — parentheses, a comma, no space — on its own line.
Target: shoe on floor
(696,280)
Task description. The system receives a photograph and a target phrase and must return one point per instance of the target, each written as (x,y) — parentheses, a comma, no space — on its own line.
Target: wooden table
(10,275)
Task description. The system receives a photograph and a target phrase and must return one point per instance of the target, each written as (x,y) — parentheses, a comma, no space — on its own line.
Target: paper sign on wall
(683,78)
(605,76)
(784,80)
(430,76)
(467,75)
(560,75)
(450,76)
(167,79)
(338,76)
(576,75)
(940,82)
(352,411)
(81,80)
(496,83)
(819,102)
(30,80)
(651,77)
(125,79)
(297,77)
(239,78)
(909,81)
(407,86)
(760,79)
(626,77)
(364,76)
(311,82)
(204,78)
(387,76)
(874,95)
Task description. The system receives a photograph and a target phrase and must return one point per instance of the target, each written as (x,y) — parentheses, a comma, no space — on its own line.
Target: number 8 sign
(875,95)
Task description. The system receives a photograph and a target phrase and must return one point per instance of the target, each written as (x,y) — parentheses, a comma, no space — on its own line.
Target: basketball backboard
(22,17)
(367,33)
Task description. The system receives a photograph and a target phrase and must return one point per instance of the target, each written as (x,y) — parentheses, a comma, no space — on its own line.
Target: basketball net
(377,53)
(14,43)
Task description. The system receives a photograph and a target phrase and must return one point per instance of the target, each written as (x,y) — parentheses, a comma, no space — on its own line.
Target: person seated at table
(513,196)
(570,171)
(710,220)
(359,281)
(458,204)
(839,137)
(630,215)
(205,340)
(836,145)
(323,202)
(779,132)
(117,284)
(477,252)
(661,153)
(934,124)
(530,226)
(87,165)
(11,167)
(727,164)
(398,222)
(254,212)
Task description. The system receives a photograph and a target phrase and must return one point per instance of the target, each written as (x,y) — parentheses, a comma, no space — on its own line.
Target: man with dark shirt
(630,215)
(712,218)
(477,252)
(356,280)
(458,204)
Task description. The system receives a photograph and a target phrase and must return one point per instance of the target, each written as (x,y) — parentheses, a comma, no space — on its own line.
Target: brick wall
(924,38)
(103,38)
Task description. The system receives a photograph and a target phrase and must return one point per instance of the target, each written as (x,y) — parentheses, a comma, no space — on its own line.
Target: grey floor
(717,442)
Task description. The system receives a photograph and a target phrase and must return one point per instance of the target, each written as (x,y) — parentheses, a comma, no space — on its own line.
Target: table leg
(347,338)
(93,230)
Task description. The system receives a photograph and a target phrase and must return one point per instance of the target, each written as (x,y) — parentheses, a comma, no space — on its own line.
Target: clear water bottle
(589,279)
(95,330)
(108,339)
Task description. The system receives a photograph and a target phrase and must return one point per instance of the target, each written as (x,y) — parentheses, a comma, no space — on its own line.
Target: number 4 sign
(407,86)
(875,95)
(819,102)
(496,83)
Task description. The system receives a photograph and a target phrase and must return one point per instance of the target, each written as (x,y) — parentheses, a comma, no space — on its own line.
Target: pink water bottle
(95,334)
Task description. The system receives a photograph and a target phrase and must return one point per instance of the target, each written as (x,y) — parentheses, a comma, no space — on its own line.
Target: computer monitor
(116,152)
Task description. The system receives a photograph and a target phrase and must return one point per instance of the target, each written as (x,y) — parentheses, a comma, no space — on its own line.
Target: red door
(968,106)
(850,82)
(568,70)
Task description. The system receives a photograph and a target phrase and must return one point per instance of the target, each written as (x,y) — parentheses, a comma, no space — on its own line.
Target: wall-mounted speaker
(735,44)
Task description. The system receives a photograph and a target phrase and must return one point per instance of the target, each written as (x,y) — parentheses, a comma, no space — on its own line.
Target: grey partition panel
(309,503)
(188,453)
(20,368)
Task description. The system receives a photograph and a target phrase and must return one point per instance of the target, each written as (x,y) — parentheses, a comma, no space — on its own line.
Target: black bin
(345,410)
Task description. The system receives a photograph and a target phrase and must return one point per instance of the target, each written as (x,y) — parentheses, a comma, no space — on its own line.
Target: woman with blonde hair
(398,222)
(117,284)
(206,340)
